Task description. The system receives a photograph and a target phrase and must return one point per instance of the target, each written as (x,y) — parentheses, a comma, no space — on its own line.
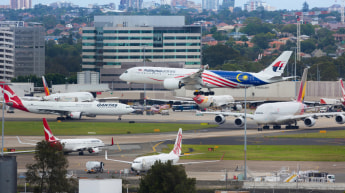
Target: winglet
(302,88)
(45,85)
(47,132)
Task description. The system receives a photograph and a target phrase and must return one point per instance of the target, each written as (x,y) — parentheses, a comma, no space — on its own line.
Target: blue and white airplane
(196,79)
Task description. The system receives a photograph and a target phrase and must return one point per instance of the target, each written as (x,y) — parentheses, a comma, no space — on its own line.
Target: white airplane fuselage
(278,113)
(70,145)
(210,78)
(213,101)
(145,163)
(70,97)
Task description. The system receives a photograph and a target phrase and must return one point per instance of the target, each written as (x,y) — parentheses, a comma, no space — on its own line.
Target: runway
(131,145)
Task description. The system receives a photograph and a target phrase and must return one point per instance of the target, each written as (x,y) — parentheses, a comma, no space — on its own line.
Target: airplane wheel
(196,93)
(206,93)
(119,119)
(212,93)
(81,153)
(266,127)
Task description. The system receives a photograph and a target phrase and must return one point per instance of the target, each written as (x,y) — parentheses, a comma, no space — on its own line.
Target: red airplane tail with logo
(11,99)
(302,88)
(48,133)
(276,68)
(45,86)
(178,144)
(342,92)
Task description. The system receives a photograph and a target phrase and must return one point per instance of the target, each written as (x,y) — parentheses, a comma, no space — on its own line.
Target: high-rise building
(20,4)
(29,48)
(134,4)
(6,53)
(228,3)
(117,42)
(210,5)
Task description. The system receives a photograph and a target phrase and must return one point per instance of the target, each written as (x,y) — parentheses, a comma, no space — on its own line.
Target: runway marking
(154,147)
(118,146)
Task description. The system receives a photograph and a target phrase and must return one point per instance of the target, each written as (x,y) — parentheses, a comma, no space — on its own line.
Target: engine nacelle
(94,150)
(340,119)
(309,121)
(172,83)
(220,119)
(90,115)
(75,115)
(239,121)
(237,107)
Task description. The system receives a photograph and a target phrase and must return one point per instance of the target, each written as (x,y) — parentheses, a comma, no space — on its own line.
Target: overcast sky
(279,4)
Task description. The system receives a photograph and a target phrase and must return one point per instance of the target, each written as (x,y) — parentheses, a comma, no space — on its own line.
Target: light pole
(245,133)
(295,48)
(144,46)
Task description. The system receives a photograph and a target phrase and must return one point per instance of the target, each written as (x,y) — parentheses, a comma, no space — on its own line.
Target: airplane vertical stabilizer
(301,92)
(11,98)
(342,92)
(47,132)
(45,85)
(278,65)
(178,144)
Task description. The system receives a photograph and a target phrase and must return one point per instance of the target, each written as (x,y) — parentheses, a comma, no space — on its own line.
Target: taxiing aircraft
(280,113)
(66,97)
(196,79)
(144,163)
(341,101)
(71,110)
(73,145)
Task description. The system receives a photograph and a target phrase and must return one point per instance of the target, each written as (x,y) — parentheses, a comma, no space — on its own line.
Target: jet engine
(220,119)
(75,115)
(237,107)
(172,83)
(94,150)
(340,119)
(309,121)
(239,121)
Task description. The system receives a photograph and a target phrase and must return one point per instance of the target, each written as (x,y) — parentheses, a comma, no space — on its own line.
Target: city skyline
(293,4)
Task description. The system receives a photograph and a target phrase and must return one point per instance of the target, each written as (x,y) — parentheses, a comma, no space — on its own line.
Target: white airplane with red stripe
(196,79)
(330,101)
(144,163)
(91,145)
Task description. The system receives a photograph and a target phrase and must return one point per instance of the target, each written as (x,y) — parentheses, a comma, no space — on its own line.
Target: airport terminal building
(116,43)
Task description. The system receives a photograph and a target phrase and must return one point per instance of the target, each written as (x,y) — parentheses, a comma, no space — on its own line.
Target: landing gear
(276,127)
(81,153)
(60,118)
(119,118)
(266,127)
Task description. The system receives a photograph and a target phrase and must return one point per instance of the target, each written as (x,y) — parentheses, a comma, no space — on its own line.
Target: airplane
(144,163)
(196,79)
(66,97)
(341,101)
(280,113)
(71,110)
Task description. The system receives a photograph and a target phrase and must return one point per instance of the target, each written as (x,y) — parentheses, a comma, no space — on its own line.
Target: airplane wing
(15,152)
(306,115)
(251,116)
(208,161)
(25,143)
(194,78)
(122,161)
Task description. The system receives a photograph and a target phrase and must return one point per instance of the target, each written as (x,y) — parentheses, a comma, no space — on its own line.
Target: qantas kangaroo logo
(48,134)
(278,66)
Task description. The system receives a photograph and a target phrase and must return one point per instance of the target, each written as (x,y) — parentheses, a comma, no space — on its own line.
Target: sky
(279,4)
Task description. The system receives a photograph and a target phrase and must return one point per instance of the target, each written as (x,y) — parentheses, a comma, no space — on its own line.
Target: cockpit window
(126,71)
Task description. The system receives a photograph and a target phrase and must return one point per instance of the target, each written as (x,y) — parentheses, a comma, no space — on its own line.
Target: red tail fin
(47,132)
(301,93)
(11,99)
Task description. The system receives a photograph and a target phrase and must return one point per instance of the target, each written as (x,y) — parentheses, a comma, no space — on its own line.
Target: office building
(228,4)
(20,4)
(6,54)
(210,5)
(119,42)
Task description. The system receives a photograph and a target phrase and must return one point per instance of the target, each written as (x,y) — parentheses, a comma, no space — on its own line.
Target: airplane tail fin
(301,92)
(47,132)
(178,144)
(342,92)
(278,65)
(45,85)
(11,99)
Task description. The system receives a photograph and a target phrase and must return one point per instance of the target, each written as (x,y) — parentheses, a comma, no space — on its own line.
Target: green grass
(317,134)
(267,152)
(98,128)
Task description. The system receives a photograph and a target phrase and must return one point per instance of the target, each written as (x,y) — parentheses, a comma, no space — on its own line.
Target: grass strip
(35,128)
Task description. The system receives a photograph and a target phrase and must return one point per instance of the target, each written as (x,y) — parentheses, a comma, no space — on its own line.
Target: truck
(94,167)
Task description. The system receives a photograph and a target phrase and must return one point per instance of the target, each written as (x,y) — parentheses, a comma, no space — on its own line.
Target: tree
(167,178)
(305,7)
(49,171)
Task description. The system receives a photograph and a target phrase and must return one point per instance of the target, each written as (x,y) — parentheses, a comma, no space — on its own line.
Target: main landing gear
(200,92)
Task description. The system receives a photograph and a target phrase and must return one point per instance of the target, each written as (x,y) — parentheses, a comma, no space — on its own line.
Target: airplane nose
(123,77)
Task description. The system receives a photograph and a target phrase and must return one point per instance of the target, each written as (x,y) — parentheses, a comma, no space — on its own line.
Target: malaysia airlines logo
(278,66)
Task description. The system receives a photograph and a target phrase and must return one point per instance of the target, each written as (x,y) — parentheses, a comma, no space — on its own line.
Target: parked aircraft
(196,79)
(66,97)
(71,110)
(280,113)
(341,101)
(144,163)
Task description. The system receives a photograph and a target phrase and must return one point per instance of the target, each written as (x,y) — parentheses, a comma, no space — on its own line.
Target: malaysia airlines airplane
(66,97)
(196,79)
(280,113)
(341,101)
(71,110)
(144,163)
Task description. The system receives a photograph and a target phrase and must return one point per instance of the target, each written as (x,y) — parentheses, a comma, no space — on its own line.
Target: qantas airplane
(71,145)
(144,163)
(341,101)
(196,79)
(280,113)
(66,97)
(71,110)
